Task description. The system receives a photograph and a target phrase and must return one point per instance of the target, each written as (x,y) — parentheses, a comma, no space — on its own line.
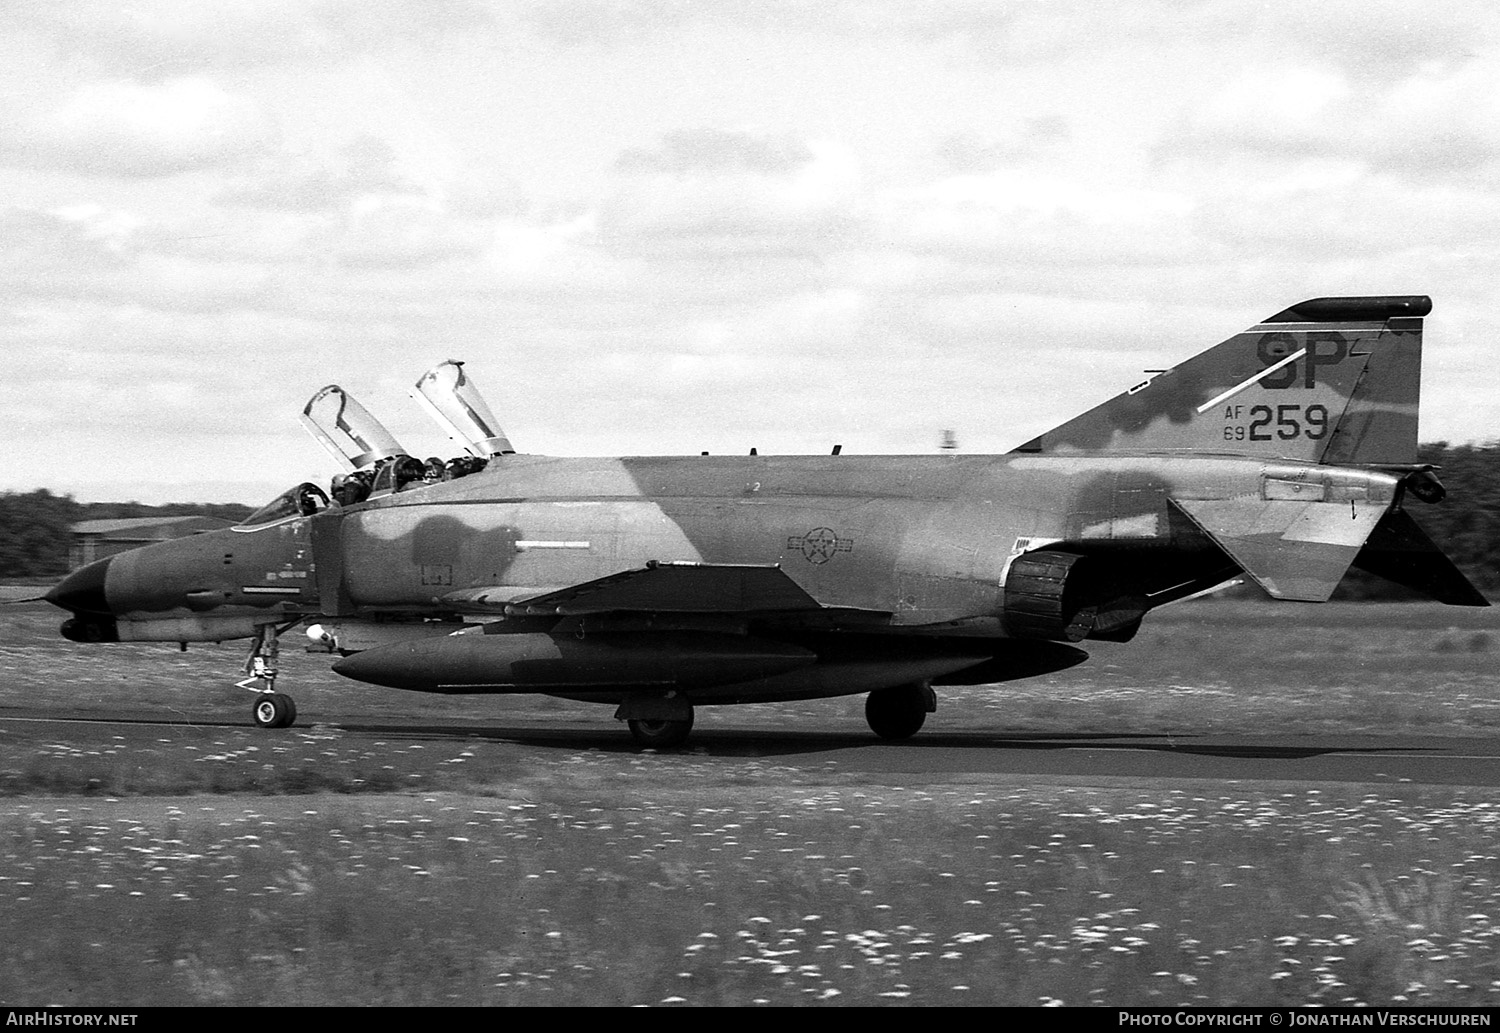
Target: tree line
(35,535)
(1465,525)
(34,525)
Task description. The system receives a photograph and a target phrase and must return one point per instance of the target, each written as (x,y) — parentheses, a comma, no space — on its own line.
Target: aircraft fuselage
(924,540)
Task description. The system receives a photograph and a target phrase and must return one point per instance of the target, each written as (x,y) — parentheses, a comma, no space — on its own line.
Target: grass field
(231,866)
(565,894)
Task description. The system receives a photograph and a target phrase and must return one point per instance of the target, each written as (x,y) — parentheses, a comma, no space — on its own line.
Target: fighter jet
(1284,455)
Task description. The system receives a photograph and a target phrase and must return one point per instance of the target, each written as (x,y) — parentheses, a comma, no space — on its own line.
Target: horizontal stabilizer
(1294,550)
(676,588)
(1400,551)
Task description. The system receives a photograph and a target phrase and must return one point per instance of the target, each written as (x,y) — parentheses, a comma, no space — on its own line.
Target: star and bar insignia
(820,544)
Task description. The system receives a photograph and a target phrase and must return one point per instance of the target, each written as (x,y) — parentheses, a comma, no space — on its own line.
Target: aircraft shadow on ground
(776,743)
(763,743)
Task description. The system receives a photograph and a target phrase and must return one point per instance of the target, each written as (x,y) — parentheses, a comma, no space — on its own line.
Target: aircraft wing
(664,588)
(492,598)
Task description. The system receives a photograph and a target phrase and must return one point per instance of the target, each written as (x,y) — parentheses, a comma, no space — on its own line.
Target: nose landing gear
(272,709)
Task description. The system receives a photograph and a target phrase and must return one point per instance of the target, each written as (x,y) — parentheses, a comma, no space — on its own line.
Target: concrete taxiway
(1303,758)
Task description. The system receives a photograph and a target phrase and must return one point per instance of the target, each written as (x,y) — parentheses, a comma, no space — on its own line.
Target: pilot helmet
(408,469)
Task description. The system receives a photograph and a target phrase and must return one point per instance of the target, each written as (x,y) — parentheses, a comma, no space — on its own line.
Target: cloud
(1437,123)
(404,231)
(87,254)
(364,165)
(149,38)
(123,128)
(713,195)
(72,239)
(555,257)
(1372,40)
(1364,214)
(176,37)
(1018,141)
(712,151)
(368,205)
(1377,38)
(51,255)
(1020,217)
(1275,106)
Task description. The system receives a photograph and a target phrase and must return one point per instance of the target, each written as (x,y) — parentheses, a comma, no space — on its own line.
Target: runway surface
(959,756)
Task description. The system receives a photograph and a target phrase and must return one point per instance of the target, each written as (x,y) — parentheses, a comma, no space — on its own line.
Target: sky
(672,227)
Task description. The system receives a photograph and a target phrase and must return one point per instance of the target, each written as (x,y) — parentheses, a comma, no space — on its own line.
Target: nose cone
(83,590)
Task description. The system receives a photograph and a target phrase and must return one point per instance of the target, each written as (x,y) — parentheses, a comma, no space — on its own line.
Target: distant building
(96,539)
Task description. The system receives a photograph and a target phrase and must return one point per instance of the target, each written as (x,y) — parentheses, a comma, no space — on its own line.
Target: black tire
(273,710)
(896,713)
(661,735)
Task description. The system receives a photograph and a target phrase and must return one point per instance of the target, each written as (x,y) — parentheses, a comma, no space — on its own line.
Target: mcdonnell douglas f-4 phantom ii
(1285,455)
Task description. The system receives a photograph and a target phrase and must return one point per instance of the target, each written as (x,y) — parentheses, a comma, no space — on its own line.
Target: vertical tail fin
(1331,380)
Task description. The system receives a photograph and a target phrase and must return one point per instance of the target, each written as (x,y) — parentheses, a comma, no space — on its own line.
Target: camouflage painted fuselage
(904,541)
(925,540)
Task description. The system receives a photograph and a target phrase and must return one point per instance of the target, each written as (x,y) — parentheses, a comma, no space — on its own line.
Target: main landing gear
(661,735)
(272,709)
(899,711)
(657,722)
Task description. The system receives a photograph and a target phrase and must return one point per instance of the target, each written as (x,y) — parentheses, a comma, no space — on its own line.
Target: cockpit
(396,473)
(399,473)
(375,463)
(302,501)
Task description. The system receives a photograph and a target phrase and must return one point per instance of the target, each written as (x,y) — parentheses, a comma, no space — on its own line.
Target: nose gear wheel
(274,710)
